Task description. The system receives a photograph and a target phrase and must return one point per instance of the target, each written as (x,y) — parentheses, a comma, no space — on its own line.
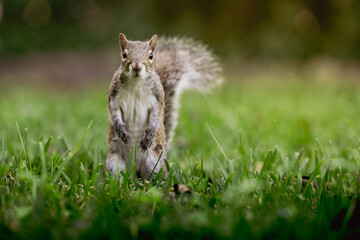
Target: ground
(273,154)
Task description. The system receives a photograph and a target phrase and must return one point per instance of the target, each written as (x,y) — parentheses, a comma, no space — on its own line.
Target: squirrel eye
(124,54)
(151,56)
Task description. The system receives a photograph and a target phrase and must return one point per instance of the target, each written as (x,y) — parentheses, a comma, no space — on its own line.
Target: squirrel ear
(122,41)
(153,42)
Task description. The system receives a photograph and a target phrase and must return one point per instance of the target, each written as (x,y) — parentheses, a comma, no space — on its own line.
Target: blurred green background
(291,71)
(297,29)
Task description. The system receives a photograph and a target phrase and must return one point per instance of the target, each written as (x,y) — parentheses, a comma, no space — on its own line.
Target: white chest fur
(136,101)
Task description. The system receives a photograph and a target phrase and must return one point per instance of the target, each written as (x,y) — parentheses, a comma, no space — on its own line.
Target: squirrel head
(137,57)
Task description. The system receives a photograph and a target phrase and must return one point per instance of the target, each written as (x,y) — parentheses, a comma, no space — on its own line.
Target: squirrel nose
(137,67)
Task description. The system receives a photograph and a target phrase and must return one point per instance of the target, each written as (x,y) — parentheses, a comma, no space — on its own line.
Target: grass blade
(44,174)
(222,151)
(97,158)
(26,152)
(152,172)
(64,163)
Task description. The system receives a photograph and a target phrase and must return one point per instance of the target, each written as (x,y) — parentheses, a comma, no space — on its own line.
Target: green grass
(53,183)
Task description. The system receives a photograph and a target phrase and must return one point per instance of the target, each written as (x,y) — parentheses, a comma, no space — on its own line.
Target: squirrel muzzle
(137,67)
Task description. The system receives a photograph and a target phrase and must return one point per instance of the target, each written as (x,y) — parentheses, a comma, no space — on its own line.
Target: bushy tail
(184,64)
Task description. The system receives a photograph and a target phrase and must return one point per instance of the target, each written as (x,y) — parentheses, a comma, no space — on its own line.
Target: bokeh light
(1,11)
(37,13)
(306,23)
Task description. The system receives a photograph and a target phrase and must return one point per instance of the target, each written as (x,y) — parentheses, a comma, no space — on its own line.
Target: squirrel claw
(123,134)
(148,139)
(145,144)
(125,138)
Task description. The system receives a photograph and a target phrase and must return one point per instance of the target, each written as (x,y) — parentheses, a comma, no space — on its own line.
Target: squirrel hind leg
(153,165)
(115,162)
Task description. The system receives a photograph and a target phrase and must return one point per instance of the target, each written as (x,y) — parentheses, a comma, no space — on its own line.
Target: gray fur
(144,97)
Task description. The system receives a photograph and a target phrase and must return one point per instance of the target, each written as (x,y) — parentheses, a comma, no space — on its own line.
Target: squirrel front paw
(122,133)
(148,139)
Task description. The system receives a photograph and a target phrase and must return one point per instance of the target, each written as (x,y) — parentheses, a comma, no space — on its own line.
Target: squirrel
(143,98)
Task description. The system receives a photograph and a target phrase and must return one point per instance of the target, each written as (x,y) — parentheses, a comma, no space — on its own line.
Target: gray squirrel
(143,97)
